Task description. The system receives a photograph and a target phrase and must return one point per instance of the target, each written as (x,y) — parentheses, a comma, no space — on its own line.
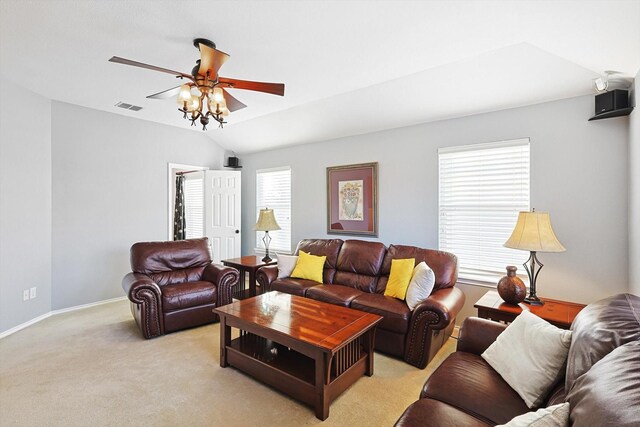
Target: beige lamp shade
(267,221)
(533,232)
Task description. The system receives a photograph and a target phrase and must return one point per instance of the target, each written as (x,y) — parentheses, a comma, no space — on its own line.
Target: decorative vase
(511,288)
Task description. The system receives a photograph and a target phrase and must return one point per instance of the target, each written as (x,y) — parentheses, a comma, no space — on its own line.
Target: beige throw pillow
(286,264)
(421,285)
(553,416)
(529,355)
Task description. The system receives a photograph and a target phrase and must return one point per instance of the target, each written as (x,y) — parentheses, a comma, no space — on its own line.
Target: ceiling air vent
(128,106)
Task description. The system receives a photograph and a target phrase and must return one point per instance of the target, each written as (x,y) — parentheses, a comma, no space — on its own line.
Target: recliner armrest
(444,304)
(132,283)
(476,334)
(265,275)
(225,278)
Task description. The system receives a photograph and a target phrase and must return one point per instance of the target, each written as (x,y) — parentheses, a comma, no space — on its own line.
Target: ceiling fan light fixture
(185,93)
(205,86)
(218,95)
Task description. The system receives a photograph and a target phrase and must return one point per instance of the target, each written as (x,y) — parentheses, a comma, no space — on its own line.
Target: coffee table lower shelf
(296,374)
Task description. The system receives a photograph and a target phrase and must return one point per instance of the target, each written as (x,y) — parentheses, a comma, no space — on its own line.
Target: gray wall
(25,204)
(578,173)
(109,191)
(634,193)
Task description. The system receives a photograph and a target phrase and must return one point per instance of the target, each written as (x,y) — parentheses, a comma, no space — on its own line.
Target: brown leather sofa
(355,275)
(601,383)
(175,286)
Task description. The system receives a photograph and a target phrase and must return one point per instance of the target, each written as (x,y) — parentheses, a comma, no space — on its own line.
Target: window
(194,198)
(482,189)
(273,190)
(194,204)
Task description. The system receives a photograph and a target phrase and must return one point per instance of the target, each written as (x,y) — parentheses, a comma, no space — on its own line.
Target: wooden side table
(559,313)
(246,264)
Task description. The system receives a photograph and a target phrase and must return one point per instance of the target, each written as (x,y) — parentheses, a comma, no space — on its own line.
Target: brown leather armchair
(175,286)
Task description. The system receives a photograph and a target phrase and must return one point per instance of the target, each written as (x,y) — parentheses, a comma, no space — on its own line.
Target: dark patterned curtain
(179,222)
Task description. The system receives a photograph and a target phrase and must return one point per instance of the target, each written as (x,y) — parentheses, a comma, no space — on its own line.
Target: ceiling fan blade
(211,59)
(166,94)
(232,103)
(119,60)
(272,88)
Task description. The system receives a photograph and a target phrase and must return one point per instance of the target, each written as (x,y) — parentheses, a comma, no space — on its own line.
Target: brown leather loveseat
(601,382)
(355,275)
(175,286)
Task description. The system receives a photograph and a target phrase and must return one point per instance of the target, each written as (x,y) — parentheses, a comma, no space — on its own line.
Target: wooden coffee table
(307,349)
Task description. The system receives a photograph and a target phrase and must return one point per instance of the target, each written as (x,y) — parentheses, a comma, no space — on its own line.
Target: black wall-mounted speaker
(612,100)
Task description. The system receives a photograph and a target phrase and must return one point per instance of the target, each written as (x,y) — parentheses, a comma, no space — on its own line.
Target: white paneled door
(222,213)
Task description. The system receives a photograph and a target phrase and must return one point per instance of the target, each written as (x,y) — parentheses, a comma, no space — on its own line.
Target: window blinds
(273,190)
(194,205)
(482,189)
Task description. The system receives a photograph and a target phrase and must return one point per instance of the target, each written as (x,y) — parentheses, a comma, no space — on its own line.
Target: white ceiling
(350,67)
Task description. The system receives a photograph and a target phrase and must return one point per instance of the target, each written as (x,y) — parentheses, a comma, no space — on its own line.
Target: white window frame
(281,217)
(172,169)
(483,272)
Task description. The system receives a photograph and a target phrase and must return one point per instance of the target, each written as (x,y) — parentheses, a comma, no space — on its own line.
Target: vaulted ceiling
(350,67)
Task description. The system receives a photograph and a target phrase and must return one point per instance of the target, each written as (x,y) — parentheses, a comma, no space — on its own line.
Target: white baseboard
(83,306)
(55,312)
(24,325)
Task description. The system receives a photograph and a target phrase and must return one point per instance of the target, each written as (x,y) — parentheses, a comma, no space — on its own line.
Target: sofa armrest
(225,278)
(431,324)
(265,275)
(146,294)
(476,334)
(441,307)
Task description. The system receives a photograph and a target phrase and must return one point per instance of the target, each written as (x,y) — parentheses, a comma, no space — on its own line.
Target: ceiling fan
(209,86)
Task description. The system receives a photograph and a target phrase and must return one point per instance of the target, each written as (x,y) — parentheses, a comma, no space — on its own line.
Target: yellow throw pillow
(399,278)
(309,267)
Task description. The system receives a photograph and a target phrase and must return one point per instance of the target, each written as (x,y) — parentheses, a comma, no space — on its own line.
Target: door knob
(237,231)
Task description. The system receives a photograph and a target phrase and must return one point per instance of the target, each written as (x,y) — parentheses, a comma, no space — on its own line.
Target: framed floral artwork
(352,199)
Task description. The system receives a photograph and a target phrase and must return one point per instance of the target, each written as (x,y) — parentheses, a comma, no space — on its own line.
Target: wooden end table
(308,349)
(559,313)
(246,264)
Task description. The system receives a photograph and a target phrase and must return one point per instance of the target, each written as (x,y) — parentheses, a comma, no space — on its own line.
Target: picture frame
(352,199)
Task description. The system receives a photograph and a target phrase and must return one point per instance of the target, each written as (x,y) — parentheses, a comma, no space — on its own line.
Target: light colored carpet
(93,368)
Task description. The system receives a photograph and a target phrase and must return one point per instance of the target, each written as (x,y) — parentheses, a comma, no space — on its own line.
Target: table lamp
(266,222)
(533,233)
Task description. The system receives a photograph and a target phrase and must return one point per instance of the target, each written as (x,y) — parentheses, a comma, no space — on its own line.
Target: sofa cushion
(434,413)
(399,278)
(552,416)
(334,294)
(186,295)
(598,329)
(359,264)
(516,355)
(421,284)
(443,264)
(309,267)
(396,314)
(609,393)
(286,264)
(466,381)
(292,286)
(323,247)
(157,257)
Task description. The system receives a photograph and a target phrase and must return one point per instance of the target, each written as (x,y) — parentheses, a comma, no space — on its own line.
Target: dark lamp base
(266,259)
(533,301)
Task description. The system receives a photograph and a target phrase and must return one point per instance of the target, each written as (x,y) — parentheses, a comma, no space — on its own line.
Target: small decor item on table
(266,222)
(511,288)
